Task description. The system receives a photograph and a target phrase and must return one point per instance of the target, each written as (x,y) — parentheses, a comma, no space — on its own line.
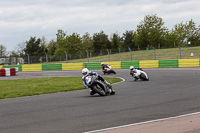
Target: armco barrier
(168,63)
(149,64)
(18,66)
(72,66)
(188,63)
(114,65)
(48,67)
(127,64)
(92,65)
(31,67)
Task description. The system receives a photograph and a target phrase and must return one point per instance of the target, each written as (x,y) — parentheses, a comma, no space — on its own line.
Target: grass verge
(30,87)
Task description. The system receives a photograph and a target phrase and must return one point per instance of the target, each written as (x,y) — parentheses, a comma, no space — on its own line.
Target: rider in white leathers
(136,72)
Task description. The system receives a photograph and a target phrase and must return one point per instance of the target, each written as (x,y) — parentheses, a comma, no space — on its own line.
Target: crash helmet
(85,72)
(102,63)
(131,67)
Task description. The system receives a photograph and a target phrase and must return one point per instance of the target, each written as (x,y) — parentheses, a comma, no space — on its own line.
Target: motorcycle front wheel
(98,88)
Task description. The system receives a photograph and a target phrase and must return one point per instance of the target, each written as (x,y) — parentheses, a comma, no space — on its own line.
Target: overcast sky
(22,19)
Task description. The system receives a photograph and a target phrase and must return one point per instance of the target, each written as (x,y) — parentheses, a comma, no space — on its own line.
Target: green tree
(150,32)
(3,51)
(128,37)
(33,46)
(34,50)
(87,43)
(52,46)
(74,44)
(61,39)
(115,41)
(186,32)
(100,42)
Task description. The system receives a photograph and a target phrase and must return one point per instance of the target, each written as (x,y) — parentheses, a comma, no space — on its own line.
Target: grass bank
(160,54)
(30,87)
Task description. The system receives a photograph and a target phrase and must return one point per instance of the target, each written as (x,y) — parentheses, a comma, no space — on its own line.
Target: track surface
(170,92)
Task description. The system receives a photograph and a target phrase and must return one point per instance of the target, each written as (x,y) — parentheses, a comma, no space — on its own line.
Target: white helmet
(131,67)
(102,63)
(85,72)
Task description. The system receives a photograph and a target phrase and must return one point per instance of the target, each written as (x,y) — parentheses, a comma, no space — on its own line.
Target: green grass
(30,87)
(161,54)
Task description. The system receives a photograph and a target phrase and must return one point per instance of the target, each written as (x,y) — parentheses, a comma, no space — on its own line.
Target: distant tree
(128,37)
(87,43)
(115,41)
(33,46)
(3,51)
(100,41)
(171,40)
(61,39)
(186,32)
(52,46)
(150,32)
(20,49)
(74,44)
(44,46)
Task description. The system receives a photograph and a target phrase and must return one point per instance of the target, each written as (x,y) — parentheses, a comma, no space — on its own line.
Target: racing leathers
(136,72)
(99,77)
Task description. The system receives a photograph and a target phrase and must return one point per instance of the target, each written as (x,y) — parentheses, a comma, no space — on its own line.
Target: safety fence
(115,65)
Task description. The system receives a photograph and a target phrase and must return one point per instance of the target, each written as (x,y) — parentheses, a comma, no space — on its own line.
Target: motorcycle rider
(105,66)
(135,72)
(86,73)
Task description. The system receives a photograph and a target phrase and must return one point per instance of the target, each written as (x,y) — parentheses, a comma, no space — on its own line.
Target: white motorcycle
(139,74)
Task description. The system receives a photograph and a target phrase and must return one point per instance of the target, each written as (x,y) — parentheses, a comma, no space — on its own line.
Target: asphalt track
(169,93)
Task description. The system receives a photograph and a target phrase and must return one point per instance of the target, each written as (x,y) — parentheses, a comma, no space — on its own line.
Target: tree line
(150,33)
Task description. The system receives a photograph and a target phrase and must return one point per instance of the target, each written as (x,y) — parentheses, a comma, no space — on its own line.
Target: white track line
(100,130)
(119,82)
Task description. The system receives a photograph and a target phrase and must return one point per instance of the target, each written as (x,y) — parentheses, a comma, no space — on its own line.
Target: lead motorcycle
(108,70)
(139,74)
(98,86)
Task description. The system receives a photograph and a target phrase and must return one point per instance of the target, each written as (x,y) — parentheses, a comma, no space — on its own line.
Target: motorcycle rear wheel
(143,77)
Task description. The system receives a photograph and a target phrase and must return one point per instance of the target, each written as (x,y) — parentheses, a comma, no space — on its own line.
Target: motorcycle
(140,74)
(108,70)
(98,86)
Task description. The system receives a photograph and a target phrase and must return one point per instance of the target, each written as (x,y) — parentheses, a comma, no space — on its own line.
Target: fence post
(46,57)
(28,59)
(130,52)
(11,60)
(179,50)
(66,56)
(108,56)
(154,53)
(87,55)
